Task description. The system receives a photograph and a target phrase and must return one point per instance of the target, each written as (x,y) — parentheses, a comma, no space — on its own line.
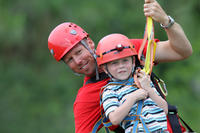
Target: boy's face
(121,68)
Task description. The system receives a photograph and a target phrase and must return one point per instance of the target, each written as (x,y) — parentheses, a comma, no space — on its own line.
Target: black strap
(153,79)
(119,129)
(187,126)
(173,119)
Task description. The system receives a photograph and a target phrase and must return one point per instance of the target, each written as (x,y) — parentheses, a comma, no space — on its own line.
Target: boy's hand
(139,94)
(144,81)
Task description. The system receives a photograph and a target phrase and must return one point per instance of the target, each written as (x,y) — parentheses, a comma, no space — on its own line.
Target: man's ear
(90,43)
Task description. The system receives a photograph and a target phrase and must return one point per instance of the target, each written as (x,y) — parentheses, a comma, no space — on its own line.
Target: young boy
(118,58)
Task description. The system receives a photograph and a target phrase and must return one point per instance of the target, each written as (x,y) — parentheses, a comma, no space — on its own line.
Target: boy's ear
(103,67)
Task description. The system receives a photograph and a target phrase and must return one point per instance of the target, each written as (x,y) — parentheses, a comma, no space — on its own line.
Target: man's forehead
(74,49)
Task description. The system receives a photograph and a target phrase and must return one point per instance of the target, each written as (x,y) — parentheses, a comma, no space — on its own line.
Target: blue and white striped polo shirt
(114,95)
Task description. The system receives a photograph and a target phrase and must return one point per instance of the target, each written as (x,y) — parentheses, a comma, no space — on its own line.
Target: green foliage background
(37,93)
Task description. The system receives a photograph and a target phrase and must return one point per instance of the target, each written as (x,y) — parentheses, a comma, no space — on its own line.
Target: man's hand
(153,9)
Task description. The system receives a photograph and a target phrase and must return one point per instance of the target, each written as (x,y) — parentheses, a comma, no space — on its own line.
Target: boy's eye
(125,60)
(114,62)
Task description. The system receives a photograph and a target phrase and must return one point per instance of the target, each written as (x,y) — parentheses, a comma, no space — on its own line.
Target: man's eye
(78,52)
(69,60)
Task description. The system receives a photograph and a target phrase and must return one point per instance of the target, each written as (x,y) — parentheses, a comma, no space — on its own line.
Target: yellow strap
(149,26)
(151,44)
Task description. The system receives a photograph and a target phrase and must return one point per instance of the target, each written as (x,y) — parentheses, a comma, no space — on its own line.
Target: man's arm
(178,46)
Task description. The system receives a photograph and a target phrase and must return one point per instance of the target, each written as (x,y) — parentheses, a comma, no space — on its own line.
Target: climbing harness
(138,118)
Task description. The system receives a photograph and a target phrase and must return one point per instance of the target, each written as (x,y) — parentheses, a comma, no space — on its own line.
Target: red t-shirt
(87,104)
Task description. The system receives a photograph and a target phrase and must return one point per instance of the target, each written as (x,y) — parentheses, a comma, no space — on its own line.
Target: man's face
(80,60)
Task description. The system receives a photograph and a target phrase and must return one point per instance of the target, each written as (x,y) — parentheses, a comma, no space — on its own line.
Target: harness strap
(99,122)
(135,126)
(105,121)
(97,125)
(151,46)
(188,127)
(146,130)
(173,119)
(139,110)
(136,79)
(137,118)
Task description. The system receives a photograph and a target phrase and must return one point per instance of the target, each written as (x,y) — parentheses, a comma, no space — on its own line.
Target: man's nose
(77,60)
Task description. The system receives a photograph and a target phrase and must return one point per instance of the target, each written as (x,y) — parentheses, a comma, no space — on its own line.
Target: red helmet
(113,47)
(63,38)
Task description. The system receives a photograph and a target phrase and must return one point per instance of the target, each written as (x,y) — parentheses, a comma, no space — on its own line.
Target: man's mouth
(83,67)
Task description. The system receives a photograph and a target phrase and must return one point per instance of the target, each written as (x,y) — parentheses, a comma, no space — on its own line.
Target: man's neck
(92,79)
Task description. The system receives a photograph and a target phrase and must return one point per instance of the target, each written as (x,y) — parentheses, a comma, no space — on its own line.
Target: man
(70,43)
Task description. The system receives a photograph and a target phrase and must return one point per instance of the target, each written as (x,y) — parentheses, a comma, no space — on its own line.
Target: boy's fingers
(141,72)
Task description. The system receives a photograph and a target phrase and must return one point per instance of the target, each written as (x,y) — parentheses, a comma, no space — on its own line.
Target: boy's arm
(122,111)
(158,99)
(145,83)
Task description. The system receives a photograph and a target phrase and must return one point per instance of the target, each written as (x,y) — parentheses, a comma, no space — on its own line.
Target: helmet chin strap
(109,74)
(133,67)
(93,55)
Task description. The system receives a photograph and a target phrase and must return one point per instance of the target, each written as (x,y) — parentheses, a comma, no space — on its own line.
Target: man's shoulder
(136,41)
